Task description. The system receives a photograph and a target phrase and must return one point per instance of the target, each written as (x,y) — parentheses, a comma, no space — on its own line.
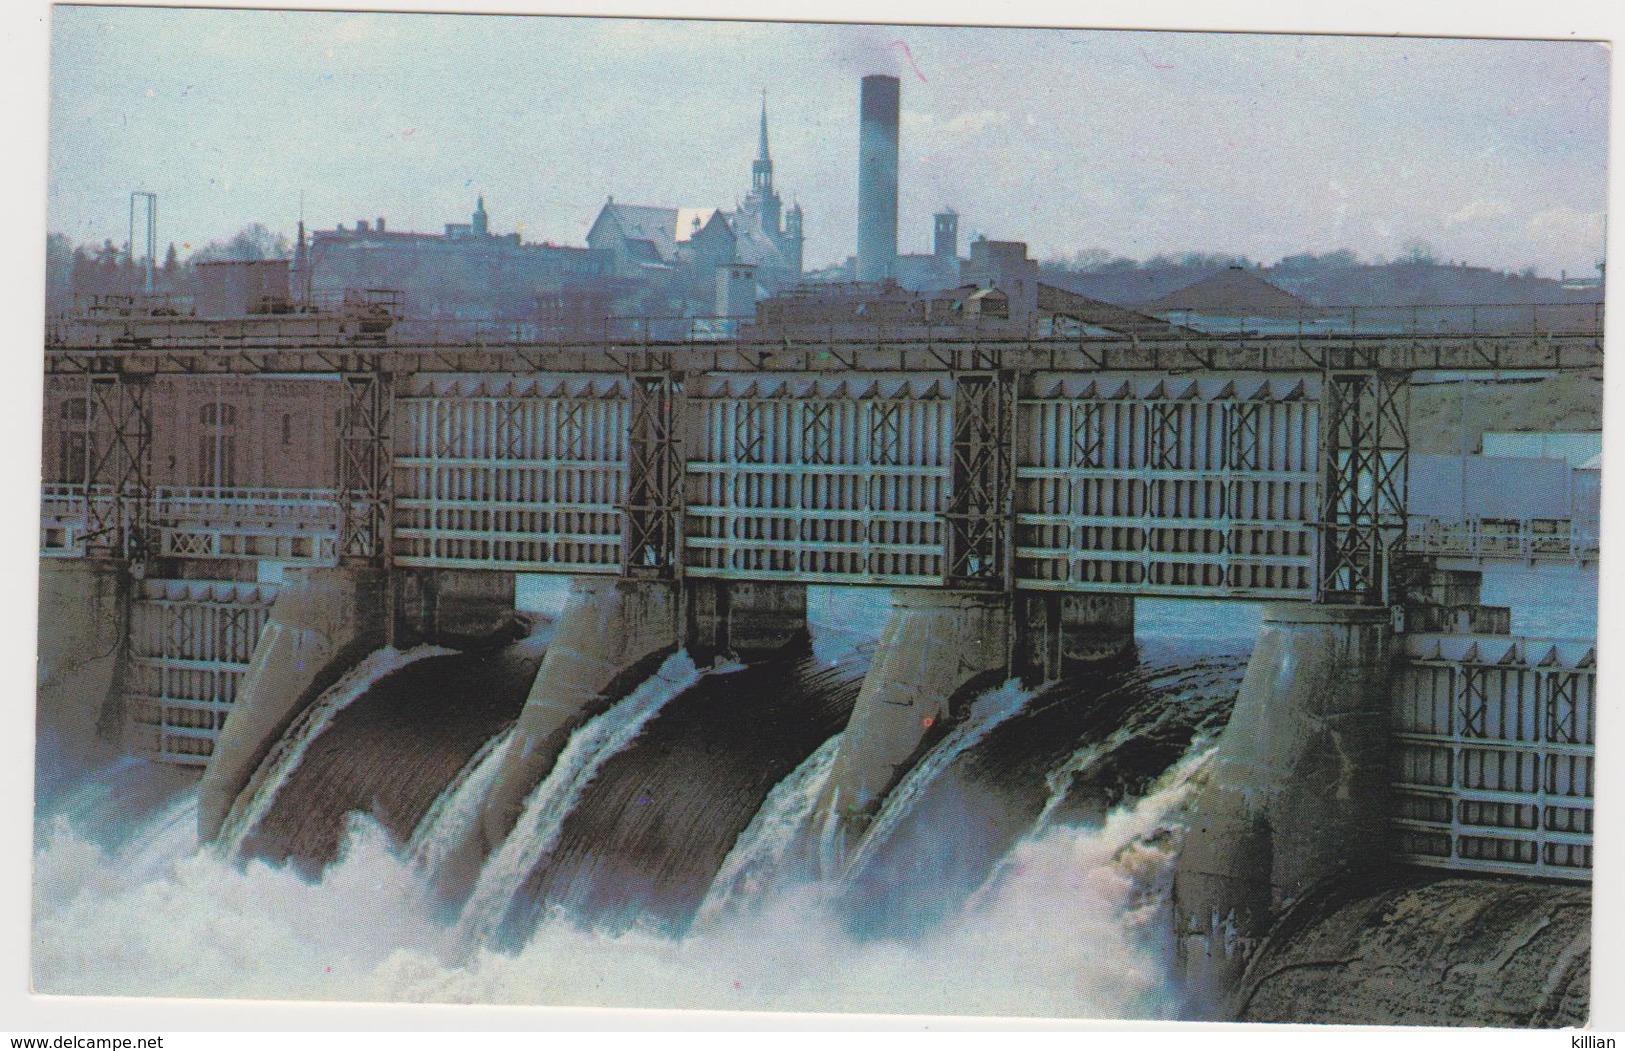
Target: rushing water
(647,837)
(537,830)
(669,859)
(289,755)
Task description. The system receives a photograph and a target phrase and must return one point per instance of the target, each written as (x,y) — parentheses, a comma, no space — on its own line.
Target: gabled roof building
(683,247)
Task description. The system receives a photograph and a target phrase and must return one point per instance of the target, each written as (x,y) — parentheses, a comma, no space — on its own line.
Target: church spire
(761,148)
(761,170)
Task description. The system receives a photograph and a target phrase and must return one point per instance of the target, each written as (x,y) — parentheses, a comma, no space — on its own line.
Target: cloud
(1477,211)
(961,126)
(1566,234)
(967,124)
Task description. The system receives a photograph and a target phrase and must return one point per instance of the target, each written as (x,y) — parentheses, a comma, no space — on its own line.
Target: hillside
(1387,284)
(1424,284)
(1565,403)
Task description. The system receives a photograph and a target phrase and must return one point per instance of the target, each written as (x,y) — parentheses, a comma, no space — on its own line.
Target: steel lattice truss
(654,493)
(118,462)
(980,510)
(365,467)
(971,473)
(1365,451)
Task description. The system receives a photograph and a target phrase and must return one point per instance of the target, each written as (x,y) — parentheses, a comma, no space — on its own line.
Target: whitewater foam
(986,712)
(539,824)
(761,855)
(290,751)
(1068,925)
(1063,932)
(451,817)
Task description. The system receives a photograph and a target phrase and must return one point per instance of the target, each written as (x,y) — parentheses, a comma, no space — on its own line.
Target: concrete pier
(1297,792)
(937,652)
(745,620)
(83,616)
(615,633)
(323,622)
(612,634)
(1060,631)
(451,607)
(1448,600)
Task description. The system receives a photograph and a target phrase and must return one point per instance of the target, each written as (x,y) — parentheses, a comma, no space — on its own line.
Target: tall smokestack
(877,178)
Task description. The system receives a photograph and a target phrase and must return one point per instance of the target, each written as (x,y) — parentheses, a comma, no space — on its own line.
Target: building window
(76,443)
(217,446)
(287,428)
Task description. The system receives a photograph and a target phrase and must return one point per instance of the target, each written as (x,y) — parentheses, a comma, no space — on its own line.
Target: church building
(680,249)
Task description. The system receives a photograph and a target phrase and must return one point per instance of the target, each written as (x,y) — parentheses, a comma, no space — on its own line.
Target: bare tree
(253,242)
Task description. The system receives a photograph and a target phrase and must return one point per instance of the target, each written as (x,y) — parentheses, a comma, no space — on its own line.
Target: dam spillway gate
(1264,469)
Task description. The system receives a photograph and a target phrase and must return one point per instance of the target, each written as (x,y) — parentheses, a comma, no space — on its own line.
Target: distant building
(1004,265)
(679,249)
(466,273)
(1576,448)
(768,237)
(232,288)
(1233,292)
(670,255)
(940,269)
(996,289)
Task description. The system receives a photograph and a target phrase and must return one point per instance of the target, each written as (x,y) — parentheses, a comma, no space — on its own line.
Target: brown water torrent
(392,750)
(653,828)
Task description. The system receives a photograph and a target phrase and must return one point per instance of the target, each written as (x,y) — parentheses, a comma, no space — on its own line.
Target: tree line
(77,272)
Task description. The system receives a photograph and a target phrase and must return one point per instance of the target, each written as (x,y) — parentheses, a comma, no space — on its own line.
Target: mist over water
(1068,928)
(1023,872)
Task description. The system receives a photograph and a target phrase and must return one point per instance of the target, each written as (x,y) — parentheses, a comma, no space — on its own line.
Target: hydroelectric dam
(264,540)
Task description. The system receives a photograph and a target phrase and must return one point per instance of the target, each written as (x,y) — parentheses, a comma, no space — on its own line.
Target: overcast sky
(1141,143)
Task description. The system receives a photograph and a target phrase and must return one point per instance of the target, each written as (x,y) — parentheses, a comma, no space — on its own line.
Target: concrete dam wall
(1418,949)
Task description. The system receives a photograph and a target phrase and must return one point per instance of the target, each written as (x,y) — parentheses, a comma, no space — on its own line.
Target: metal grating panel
(1168,486)
(509,473)
(190,642)
(819,481)
(1495,754)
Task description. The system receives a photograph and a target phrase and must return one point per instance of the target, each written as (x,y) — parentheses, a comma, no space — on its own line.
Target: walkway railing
(66,517)
(378,322)
(1530,541)
(1308,322)
(280,525)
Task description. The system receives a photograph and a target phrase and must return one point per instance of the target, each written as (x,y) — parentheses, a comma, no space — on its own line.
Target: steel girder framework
(118,466)
(366,472)
(1365,469)
(651,546)
(264,354)
(981,504)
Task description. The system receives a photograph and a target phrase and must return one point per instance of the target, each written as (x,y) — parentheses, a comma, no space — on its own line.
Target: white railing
(313,508)
(1504,540)
(284,525)
(67,518)
(287,525)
